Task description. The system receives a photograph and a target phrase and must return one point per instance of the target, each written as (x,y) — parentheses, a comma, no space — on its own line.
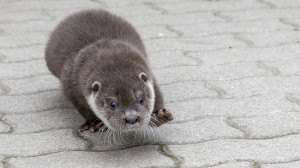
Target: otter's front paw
(161,116)
(94,126)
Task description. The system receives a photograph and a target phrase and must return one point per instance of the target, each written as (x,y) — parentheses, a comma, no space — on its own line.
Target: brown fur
(95,45)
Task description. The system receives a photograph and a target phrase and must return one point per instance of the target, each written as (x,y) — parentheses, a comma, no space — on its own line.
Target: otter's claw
(162,116)
(94,126)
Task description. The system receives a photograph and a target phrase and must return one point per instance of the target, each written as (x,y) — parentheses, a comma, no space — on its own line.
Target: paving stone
(45,5)
(156,32)
(1,165)
(25,39)
(279,38)
(218,73)
(234,165)
(35,84)
(259,106)
(23,16)
(269,125)
(249,86)
(197,131)
(133,157)
(283,4)
(193,44)
(4,127)
(205,6)
(46,120)
(147,20)
(33,103)
(21,70)
(267,55)
(213,152)
(262,14)
(282,165)
(40,143)
(219,28)
(171,59)
(186,90)
(22,54)
(30,27)
(285,67)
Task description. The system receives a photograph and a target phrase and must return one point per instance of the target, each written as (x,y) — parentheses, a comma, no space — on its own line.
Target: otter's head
(123,104)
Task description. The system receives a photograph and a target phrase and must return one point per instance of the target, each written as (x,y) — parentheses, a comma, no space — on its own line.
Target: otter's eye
(113,105)
(141,100)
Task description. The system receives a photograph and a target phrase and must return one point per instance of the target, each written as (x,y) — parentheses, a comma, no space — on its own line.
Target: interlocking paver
(37,122)
(277,124)
(134,157)
(40,143)
(33,103)
(235,165)
(281,149)
(282,165)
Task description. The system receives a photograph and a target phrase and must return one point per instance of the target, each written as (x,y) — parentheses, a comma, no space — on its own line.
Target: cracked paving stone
(43,121)
(239,107)
(209,153)
(33,103)
(282,165)
(132,157)
(271,125)
(32,85)
(40,143)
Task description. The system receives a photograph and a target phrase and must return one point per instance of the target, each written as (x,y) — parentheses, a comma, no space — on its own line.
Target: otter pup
(102,64)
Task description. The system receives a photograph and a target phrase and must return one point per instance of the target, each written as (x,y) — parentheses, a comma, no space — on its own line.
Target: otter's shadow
(110,140)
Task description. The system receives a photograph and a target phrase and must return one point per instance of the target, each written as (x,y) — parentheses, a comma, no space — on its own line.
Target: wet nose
(132,119)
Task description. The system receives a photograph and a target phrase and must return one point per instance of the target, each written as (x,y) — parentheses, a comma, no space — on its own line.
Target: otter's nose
(132,119)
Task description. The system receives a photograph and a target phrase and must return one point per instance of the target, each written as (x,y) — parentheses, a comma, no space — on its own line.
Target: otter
(102,65)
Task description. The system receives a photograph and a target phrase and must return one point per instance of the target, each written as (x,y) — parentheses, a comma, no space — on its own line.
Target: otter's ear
(143,77)
(95,86)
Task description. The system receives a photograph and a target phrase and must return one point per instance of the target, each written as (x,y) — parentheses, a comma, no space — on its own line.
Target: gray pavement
(229,70)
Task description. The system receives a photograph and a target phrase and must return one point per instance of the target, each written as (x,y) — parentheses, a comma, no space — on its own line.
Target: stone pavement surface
(229,70)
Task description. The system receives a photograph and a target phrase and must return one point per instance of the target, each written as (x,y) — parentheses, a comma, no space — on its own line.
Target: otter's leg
(160,115)
(92,123)
(96,125)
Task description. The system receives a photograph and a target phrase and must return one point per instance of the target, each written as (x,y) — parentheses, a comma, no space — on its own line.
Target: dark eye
(141,100)
(113,105)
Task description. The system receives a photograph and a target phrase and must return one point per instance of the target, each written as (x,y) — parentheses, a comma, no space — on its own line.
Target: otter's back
(82,29)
